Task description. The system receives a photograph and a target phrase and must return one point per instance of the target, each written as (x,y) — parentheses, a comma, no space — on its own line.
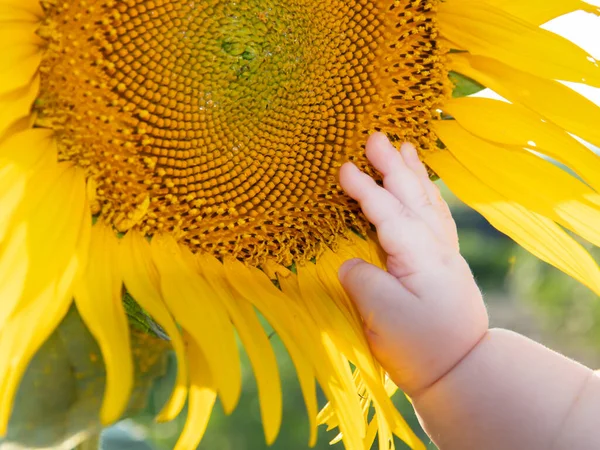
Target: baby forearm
(512,393)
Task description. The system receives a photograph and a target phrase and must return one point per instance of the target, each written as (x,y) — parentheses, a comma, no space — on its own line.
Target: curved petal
(304,340)
(536,12)
(534,232)
(99,300)
(203,394)
(194,306)
(20,11)
(484,30)
(141,280)
(527,179)
(513,125)
(16,104)
(52,225)
(550,99)
(256,343)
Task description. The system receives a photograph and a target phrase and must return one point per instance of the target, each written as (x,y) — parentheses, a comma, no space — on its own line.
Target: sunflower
(186,153)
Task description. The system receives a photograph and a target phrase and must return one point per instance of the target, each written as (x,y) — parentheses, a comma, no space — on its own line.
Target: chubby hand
(425,313)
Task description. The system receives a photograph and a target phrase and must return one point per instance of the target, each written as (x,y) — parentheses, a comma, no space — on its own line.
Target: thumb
(416,340)
(376,294)
(391,319)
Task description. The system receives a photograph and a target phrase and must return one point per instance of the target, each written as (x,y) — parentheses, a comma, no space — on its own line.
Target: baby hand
(425,314)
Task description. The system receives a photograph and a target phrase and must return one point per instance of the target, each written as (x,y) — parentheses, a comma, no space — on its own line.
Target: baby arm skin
(473,387)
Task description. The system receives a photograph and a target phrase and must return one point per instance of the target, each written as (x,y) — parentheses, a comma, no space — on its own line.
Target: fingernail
(380,134)
(385,145)
(357,169)
(351,166)
(410,152)
(346,267)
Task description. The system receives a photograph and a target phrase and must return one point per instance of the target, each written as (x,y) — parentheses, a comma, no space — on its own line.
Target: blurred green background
(521,293)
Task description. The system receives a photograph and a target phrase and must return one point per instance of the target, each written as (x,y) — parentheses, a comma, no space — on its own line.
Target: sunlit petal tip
(594,9)
(550,99)
(538,12)
(527,179)
(488,31)
(536,233)
(489,120)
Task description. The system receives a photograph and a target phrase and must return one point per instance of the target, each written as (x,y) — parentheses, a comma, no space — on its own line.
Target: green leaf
(464,86)
(60,395)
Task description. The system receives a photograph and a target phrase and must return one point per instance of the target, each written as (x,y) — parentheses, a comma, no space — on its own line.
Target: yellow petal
(256,342)
(536,12)
(22,157)
(490,120)
(264,366)
(23,335)
(327,319)
(56,238)
(193,304)
(14,262)
(35,210)
(16,104)
(18,67)
(142,281)
(331,368)
(203,394)
(371,432)
(351,328)
(20,55)
(98,297)
(29,151)
(20,11)
(13,34)
(538,234)
(484,30)
(327,272)
(327,414)
(254,286)
(527,179)
(304,340)
(345,338)
(12,189)
(550,99)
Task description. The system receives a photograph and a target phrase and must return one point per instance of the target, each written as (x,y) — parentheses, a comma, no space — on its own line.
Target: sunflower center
(224,123)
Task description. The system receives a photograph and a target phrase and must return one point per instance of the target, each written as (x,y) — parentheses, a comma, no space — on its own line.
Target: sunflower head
(224,123)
